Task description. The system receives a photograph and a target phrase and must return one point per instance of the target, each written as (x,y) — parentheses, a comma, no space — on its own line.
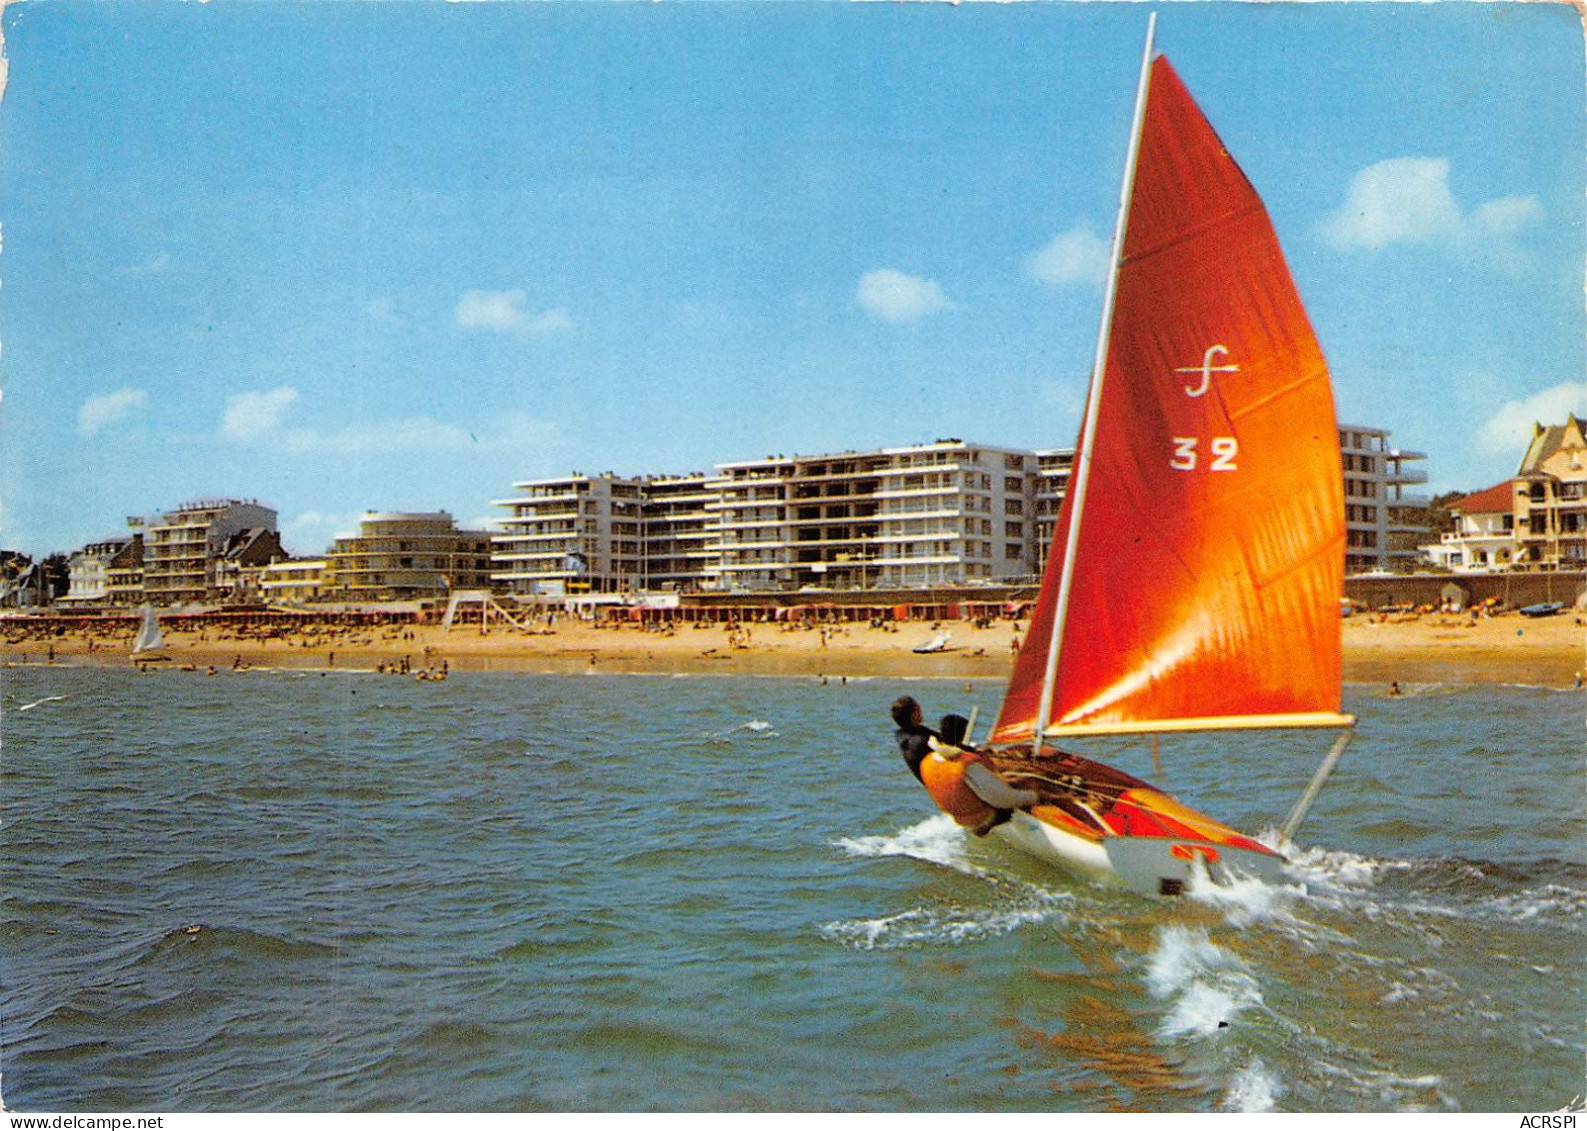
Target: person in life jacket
(962,785)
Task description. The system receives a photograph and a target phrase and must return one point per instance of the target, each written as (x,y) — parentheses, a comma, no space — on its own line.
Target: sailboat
(149,644)
(938,643)
(1197,562)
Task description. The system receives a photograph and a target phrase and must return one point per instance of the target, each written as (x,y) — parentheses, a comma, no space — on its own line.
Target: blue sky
(347,257)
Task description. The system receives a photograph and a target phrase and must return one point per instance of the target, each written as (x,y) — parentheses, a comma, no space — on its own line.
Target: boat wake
(1548,892)
(937,840)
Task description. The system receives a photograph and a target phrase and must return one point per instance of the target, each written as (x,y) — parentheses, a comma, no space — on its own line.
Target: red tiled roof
(1498,499)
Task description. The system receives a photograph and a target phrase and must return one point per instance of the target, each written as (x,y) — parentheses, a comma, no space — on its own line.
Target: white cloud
(1508,431)
(896,297)
(1404,199)
(99,412)
(1408,200)
(1506,216)
(258,418)
(504,312)
(1076,256)
(251,416)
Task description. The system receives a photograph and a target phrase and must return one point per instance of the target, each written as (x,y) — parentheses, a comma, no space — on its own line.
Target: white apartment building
(946,513)
(1381,527)
(182,547)
(573,534)
(1054,467)
(680,537)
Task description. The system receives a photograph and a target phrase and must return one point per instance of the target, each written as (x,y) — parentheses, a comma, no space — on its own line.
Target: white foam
(936,840)
(1339,870)
(755,728)
(1255,1088)
(1209,985)
(1243,900)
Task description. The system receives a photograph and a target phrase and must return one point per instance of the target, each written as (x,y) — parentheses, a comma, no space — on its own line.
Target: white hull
(1045,842)
(1151,865)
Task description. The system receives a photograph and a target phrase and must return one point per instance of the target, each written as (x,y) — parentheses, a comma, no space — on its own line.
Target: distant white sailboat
(148,639)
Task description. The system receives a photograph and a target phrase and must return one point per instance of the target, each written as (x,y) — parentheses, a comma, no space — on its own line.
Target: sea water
(340,891)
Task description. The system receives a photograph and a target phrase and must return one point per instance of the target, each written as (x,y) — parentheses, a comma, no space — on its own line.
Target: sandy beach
(1430,648)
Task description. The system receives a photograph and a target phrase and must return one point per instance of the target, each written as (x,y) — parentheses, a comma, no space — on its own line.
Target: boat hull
(1102,824)
(1150,865)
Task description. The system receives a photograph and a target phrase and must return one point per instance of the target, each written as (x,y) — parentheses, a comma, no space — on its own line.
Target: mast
(1082,471)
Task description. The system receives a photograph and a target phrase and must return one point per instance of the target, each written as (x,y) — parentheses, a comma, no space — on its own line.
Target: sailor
(961,784)
(967,789)
(915,740)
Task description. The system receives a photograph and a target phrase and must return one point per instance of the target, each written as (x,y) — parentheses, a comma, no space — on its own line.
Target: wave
(755,728)
(936,840)
(237,943)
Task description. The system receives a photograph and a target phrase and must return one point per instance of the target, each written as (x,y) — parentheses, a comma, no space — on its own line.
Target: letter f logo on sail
(1207,369)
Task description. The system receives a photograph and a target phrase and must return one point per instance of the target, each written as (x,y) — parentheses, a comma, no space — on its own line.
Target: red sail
(1209,559)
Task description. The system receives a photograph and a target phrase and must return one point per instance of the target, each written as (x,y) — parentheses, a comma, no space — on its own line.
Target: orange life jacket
(944,780)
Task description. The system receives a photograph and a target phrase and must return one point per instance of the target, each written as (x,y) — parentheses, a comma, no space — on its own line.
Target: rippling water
(347,892)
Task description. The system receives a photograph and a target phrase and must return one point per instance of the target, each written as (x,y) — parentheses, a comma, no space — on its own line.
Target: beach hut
(1453,598)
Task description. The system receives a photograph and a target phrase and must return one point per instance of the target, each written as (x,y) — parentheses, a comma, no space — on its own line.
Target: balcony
(1397,478)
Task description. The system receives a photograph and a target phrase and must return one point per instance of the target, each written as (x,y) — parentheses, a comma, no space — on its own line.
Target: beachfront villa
(1484,534)
(90,569)
(1551,498)
(1537,520)
(295,581)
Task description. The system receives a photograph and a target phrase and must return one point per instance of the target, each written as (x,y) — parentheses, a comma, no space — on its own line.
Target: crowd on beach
(1385,644)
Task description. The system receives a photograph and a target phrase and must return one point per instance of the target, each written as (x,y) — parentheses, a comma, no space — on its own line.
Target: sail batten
(1318,719)
(1197,564)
